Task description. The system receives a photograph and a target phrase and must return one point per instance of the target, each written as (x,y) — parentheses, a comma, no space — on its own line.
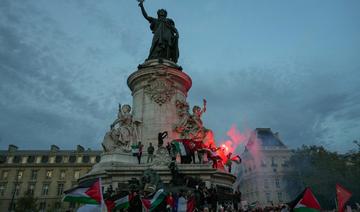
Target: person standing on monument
(161,137)
(165,40)
(228,162)
(150,151)
(139,154)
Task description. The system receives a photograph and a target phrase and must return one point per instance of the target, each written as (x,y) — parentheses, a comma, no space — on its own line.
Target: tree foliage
(320,169)
(27,203)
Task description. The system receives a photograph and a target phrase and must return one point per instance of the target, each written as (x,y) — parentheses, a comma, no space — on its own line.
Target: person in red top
(170,202)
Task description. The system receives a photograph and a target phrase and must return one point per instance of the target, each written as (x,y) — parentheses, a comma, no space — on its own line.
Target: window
(60,189)
(16,159)
(273,164)
(24,159)
(19,175)
(4,175)
(277,183)
(97,159)
(44,159)
(72,159)
(38,159)
(3,159)
(34,174)
(86,159)
(31,188)
(16,189)
(76,174)
(263,164)
(62,174)
(31,159)
(58,159)
(45,190)
(2,189)
(48,174)
(280,196)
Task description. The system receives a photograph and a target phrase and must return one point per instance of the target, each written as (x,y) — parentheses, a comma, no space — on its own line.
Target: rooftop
(265,138)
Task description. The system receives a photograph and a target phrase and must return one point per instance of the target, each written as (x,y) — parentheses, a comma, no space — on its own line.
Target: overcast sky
(293,66)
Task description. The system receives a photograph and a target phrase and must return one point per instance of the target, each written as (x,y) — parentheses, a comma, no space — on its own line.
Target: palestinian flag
(307,202)
(123,202)
(342,196)
(184,146)
(88,192)
(151,204)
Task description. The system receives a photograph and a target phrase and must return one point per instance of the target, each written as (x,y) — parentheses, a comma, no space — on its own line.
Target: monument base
(118,174)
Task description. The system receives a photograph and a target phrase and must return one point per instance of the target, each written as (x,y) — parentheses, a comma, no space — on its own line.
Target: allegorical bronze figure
(165,41)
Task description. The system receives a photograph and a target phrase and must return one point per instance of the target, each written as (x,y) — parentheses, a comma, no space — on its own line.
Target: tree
(27,203)
(320,169)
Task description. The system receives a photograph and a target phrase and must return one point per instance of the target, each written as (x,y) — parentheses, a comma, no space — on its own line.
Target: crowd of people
(200,199)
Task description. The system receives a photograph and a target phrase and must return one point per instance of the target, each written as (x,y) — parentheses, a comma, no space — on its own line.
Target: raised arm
(164,134)
(144,12)
(204,107)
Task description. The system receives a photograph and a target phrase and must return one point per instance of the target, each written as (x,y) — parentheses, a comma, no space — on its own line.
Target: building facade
(263,168)
(43,173)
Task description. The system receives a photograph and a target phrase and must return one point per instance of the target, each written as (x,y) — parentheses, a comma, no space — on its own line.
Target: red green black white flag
(151,204)
(342,196)
(307,202)
(88,192)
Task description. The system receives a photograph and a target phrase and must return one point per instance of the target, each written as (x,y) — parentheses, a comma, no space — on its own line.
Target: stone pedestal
(155,89)
(113,173)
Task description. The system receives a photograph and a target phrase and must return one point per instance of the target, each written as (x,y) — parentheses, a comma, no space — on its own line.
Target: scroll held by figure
(123,131)
(165,36)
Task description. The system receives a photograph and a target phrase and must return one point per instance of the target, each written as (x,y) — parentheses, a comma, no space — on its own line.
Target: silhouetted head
(162,13)
(197,110)
(126,108)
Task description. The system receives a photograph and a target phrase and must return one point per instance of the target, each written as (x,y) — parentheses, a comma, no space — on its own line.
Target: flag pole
(336,205)
(103,205)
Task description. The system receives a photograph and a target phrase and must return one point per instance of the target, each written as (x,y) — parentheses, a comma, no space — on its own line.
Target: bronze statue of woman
(165,40)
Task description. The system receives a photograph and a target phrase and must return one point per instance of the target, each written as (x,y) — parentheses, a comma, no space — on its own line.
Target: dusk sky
(291,65)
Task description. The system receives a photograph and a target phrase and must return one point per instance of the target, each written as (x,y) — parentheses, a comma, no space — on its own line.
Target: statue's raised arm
(204,106)
(143,11)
